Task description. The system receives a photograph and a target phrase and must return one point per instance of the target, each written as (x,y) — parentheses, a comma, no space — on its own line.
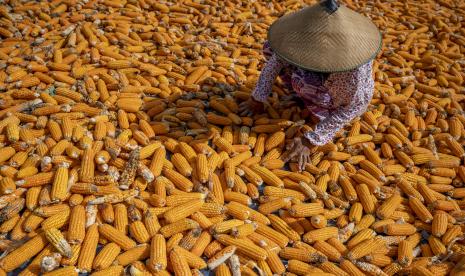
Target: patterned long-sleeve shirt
(335,99)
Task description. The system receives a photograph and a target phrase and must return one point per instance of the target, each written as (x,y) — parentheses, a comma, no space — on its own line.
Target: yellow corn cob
(388,206)
(193,261)
(306,209)
(112,270)
(56,238)
(364,248)
(222,270)
(437,247)
(355,213)
(180,181)
(139,252)
(178,227)
(202,168)
(408,189)
(331,268)
(158,259)
(243,246)
(274,140)
(405,253)
(29,249)
(201,243)
(283,227)
(365,198)
(399,229)
(183,210)
(328,250)
(60,184)
(268,177)
(57,220)
(177,199)
(439,225)
(139,232)
(88,248)
(420,210)
(68,270)
(355,139)
(181,164)
(106,256)
(320,234)
(179,262)
(301,268)
(7,185)
(112,234)
(273,205)
(350,268)
(360,236)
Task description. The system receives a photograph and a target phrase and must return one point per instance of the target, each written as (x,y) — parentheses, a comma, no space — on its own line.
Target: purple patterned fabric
(335,99)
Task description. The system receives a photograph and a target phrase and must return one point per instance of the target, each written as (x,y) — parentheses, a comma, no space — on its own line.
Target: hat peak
(331,5)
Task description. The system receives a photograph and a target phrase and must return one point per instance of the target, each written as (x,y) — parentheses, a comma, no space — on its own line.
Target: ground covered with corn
(122,152)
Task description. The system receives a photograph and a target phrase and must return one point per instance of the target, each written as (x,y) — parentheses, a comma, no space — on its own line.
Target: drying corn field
(122,152)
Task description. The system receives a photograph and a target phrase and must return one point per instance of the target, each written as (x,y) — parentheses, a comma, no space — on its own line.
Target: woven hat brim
(316,40)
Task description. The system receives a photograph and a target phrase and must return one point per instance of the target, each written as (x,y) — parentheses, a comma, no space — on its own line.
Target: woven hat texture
(322,40)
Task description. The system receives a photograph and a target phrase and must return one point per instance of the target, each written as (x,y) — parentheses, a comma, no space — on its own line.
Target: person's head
(327,37)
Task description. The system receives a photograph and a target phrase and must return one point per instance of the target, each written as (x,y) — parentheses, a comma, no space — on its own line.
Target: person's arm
(267,77)
(356,88)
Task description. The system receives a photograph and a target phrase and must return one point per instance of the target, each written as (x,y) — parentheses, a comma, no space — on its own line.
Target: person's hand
(250,107)
(299,148)
(288,101)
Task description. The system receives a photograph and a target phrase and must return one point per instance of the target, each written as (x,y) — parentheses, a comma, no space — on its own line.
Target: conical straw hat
(325,38)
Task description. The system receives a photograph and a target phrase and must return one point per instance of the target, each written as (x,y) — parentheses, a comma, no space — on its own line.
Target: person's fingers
(293,155)
(289,145)
(298,141)
(301,161)
(243,110)
(306,161)
(288,155)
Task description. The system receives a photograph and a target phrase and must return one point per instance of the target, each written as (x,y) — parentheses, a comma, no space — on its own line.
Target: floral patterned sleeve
(354,90)
(267,78)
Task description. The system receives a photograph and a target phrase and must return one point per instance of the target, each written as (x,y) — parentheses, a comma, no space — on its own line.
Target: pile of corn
(122,151)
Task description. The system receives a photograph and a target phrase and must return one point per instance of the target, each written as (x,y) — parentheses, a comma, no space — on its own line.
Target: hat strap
(331,5)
